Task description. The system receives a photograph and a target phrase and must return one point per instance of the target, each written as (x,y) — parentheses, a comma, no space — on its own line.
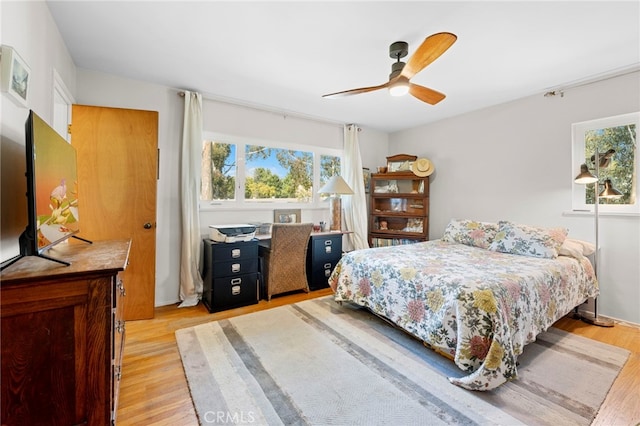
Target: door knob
(147,225)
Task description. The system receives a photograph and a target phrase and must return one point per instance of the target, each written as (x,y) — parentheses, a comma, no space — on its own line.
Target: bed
(477,296)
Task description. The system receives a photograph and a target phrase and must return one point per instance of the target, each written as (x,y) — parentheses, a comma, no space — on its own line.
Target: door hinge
(69,128)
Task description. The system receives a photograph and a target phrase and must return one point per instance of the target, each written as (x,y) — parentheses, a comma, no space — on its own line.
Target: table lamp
(336,187)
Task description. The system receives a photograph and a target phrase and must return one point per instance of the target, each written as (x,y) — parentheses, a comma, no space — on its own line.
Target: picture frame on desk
(287,216)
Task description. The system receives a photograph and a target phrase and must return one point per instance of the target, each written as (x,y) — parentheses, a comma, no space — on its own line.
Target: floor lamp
(586,177)
(336,187)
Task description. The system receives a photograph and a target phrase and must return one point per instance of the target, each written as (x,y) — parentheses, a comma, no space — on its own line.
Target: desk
(323,253)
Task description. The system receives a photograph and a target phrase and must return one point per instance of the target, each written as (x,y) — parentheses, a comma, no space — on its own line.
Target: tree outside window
(256,173)
(616,141)
(218,177)
(275,173)
(619,143)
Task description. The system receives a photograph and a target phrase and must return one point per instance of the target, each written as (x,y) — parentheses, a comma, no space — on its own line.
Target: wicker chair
(284,258)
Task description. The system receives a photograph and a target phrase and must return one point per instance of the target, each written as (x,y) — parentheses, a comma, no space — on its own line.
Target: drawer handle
(328,242)
(235,267)
(236,281)
(327,266)
(235,252)
(327,249)
(235,290)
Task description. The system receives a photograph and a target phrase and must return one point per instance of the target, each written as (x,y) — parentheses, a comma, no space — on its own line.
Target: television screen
(53,192)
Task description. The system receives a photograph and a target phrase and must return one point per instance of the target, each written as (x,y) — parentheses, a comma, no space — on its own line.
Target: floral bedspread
(477,306)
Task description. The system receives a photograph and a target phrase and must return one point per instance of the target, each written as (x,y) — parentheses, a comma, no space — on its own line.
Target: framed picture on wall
(366,175)
(15,75)
(287,216)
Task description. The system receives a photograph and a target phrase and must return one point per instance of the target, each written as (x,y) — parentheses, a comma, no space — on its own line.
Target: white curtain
(355,206)
(190,279)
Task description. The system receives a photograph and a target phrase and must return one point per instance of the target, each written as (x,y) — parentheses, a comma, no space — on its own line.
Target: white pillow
(576,248)
(570,248)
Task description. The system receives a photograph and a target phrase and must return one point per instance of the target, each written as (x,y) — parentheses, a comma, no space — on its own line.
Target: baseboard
(616,320)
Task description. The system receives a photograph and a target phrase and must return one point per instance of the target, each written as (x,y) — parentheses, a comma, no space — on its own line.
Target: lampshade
(336,185)
(609,191)
(585,176)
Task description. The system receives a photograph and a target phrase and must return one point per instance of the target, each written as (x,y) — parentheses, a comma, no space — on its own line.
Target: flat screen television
(52,190)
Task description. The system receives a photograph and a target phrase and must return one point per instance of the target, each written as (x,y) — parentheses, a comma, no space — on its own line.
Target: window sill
(221,207)
(578,213)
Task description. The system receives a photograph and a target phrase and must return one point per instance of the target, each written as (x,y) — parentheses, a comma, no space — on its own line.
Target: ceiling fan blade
(430,50)
(425,94)
(355,91)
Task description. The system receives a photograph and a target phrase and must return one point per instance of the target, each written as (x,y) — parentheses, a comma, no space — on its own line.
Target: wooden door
(117,179)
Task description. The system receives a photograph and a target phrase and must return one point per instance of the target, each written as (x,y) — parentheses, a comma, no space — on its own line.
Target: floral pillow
(527,240)
(470,233)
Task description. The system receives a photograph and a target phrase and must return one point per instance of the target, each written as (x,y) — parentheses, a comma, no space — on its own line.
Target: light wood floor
(154,391)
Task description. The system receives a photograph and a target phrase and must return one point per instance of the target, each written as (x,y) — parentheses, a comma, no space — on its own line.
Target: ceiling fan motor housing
(396,69)
(397,50)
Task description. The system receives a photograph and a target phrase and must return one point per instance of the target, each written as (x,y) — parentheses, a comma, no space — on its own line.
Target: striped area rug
(320,363)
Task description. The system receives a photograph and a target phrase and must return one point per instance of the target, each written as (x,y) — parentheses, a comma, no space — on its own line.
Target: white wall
(30,30)
(513,161)
(96,88)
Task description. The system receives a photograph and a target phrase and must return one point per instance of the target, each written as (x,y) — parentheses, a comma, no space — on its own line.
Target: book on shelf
(386,242)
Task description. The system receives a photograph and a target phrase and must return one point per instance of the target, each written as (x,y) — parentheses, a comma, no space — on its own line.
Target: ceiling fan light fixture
(399,88)
(401,73)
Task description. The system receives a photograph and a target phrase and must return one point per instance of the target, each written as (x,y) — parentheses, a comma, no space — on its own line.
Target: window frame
(578,130)
(239,203)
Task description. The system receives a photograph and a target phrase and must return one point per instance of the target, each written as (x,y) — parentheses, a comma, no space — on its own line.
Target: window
(245,172)
(616,141)
(285,175)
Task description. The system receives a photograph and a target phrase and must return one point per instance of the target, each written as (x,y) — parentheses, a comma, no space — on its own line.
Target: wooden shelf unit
(399,208)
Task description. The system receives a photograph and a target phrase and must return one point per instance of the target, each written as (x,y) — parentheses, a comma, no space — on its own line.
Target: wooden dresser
(63,335)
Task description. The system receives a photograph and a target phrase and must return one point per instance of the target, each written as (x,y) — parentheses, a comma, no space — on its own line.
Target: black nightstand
(230,274)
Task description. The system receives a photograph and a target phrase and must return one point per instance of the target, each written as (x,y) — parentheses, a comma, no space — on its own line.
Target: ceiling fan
(399,79)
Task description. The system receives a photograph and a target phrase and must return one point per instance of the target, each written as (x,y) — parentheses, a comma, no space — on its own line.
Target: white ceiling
(283,56)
